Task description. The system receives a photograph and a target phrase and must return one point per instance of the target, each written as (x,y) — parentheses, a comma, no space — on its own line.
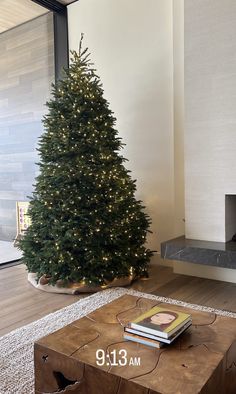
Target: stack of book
(157,327)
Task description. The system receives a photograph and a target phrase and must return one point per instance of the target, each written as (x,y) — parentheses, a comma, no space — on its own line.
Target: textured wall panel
(15,12)
(26,73)
(210,115)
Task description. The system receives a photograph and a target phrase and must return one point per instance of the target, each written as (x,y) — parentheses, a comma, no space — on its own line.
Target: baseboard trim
(203,271)
(10,264)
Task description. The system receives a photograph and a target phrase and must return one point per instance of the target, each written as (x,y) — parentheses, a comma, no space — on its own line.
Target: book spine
(155,337)
(146,335)
(149,330)
(160,334)
(143,341)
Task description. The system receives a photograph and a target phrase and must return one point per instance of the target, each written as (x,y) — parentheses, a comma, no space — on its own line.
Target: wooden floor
(20,303)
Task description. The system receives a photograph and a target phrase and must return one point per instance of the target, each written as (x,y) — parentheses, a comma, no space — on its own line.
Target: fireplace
(219,254)
(209,143)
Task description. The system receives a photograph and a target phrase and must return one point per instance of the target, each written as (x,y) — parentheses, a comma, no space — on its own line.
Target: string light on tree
(87,225)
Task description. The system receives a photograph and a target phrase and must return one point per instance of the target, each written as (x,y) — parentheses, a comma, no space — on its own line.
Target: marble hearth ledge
(217,254)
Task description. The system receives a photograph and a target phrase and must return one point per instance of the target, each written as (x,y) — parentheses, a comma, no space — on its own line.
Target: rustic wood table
(90,355)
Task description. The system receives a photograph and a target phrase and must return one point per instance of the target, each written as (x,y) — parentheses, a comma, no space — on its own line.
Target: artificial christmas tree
(87,226)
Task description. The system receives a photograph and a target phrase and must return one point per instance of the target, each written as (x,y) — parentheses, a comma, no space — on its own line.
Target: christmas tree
(87,225)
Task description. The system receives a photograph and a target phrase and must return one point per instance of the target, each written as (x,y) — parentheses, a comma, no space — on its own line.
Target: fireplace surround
(210,138)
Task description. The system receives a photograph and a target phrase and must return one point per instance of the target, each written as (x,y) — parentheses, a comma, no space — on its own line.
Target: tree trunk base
(75,287)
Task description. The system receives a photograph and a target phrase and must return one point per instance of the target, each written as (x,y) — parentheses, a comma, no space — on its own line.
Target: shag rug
(16,348)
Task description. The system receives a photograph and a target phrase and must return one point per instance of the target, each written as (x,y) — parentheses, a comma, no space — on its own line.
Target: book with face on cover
(162,322)
(168,340)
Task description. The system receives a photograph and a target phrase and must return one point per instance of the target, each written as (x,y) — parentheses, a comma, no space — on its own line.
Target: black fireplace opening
(230,217)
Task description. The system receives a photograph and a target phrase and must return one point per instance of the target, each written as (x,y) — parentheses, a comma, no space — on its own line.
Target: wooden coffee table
(202,360)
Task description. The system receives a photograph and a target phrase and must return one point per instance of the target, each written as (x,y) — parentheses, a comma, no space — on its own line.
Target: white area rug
(16,348)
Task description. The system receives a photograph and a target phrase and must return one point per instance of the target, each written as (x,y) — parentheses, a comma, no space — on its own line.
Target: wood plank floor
(21,304)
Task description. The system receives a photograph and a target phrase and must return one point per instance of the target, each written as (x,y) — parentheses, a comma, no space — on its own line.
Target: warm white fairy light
(89,187)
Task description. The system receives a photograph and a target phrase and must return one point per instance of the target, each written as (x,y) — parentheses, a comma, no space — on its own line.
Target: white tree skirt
(74,288)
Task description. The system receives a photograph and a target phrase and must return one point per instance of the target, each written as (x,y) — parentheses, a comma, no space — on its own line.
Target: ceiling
(66,2)
(16,12)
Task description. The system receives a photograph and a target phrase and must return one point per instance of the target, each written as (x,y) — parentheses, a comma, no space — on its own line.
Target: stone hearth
(219,254)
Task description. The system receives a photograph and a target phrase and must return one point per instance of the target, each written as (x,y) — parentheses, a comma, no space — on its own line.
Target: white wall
(178,105)
(210,107)
(131,44)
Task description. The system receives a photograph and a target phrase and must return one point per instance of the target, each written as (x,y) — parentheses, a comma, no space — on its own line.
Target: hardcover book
(143,340)
(168,340)
(161,322)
